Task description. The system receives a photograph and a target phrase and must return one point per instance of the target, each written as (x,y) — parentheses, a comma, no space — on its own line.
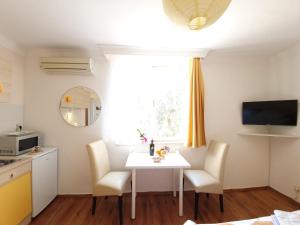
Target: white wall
(229,81)
(42,97)
(285,153)
(11,113)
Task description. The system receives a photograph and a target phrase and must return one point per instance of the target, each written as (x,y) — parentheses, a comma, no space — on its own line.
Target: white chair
(210,178)
(106,182)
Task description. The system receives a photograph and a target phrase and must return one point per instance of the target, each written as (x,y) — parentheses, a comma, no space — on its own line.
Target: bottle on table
(151,148)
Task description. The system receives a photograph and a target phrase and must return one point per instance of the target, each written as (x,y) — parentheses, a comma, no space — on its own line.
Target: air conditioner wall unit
(65,65)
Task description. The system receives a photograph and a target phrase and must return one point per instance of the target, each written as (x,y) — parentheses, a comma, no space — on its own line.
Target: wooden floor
(162,208)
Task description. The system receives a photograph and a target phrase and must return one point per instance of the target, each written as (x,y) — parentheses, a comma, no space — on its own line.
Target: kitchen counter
(24,158)
(44,151)
(34,176)
(15,191)
(20,162)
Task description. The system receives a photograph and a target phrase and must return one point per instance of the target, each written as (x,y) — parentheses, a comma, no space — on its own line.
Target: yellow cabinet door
(15,200)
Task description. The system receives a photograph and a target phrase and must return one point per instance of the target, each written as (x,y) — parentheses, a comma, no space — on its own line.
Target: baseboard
(149,193)
(26,220)
(125,194)
(291,200)
(164,192)
(246,189)
(74,195)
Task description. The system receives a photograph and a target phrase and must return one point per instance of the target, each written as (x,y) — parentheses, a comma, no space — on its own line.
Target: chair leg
(207,195)
(196,205)
(120,203)
(221,203)
(94,205)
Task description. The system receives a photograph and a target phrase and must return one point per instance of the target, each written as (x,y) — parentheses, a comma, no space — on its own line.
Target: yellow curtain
(196,129)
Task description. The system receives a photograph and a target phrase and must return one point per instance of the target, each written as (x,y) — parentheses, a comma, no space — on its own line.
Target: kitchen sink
(4,162)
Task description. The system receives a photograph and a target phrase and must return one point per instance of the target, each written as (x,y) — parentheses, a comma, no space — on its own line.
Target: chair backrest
(98,159)
(215,159)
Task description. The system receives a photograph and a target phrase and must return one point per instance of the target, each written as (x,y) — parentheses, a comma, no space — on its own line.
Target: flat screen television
(282,112)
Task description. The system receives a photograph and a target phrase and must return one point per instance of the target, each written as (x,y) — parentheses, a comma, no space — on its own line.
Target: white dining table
(174,161)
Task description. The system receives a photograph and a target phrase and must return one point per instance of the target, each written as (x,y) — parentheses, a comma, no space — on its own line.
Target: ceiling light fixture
(195,14)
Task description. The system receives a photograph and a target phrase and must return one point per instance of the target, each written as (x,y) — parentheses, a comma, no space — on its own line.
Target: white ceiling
(264,25)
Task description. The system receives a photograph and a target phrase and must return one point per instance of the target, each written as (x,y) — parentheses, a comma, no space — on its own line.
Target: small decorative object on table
(162,151)
(143,137)
(156,159)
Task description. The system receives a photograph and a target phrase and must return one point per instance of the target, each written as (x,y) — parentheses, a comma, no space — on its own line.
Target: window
(150,94)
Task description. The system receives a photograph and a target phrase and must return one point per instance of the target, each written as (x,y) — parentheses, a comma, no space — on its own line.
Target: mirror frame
(91,91)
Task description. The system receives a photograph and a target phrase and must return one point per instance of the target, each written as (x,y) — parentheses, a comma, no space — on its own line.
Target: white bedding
(286,218)
(279,218)
(256,221)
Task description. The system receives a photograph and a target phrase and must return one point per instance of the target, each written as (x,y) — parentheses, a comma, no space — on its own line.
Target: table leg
(174,182)
(180,192)
(133,194)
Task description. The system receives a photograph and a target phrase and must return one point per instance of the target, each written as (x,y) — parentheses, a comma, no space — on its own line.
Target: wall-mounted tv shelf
(270,135)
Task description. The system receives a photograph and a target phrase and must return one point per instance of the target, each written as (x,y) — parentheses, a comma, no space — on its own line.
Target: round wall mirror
(80,106)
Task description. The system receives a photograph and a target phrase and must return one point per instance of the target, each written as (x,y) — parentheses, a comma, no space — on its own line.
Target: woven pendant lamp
(195,14)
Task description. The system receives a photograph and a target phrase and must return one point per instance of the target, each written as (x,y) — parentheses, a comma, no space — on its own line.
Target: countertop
(25,158)
(44,151)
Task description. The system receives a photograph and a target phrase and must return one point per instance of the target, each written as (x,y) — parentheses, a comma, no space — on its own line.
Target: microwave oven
(13,145)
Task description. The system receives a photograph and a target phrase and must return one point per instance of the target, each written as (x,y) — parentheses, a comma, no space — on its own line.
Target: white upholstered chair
(106,182)
(210,178)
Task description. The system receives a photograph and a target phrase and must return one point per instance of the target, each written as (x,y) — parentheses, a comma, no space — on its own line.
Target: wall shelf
(270,135)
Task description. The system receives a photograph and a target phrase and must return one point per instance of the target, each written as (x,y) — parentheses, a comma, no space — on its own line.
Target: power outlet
(297,189)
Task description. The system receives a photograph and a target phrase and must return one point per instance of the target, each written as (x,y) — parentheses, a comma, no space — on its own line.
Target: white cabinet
(44,179)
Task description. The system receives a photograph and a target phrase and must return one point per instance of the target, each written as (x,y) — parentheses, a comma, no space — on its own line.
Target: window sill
(168,142)
(158,142)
